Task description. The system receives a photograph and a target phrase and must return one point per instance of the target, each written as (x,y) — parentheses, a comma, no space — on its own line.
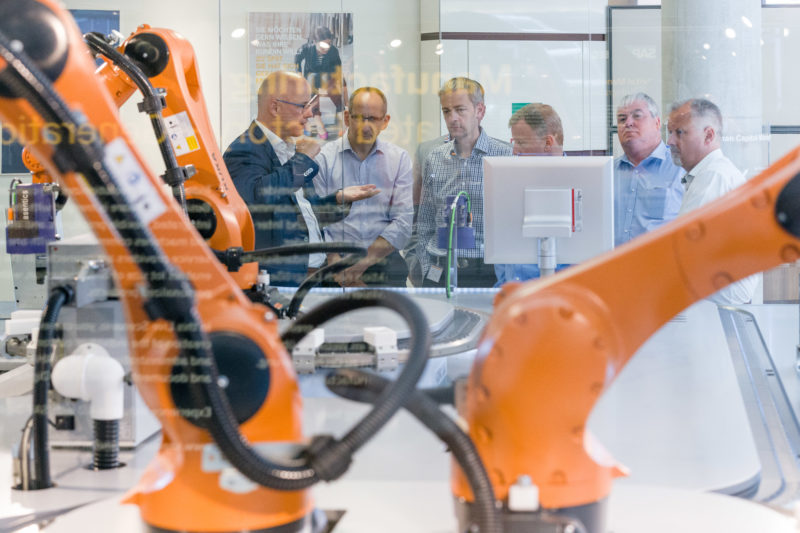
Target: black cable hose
(99,45)
(393,397)
(325,273)
(26,81)
(264,254)
(365,387)
(441,395)
(295,476)
(332,458)
(41,385)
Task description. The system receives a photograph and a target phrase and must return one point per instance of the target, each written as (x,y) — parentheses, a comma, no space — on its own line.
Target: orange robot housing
(554,345)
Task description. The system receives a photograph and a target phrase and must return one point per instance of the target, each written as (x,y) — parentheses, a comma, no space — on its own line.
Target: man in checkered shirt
(456,166)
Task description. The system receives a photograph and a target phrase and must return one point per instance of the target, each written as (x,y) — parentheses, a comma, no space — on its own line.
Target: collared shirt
(285,151)
(647,195)
(388,214)
(714,176)
(444,174)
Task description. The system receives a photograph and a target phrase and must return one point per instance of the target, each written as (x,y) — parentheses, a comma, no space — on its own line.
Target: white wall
(569,75)
(510,16)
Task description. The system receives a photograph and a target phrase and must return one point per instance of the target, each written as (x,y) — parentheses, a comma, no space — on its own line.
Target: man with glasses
(382,224)
(536,130)
(647,184)
(272,166)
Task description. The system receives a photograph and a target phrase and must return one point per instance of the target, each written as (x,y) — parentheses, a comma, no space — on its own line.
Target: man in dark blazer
(273,173)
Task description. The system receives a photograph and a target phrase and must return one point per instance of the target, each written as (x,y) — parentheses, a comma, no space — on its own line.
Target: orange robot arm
(58,139)
(553,346)
(215,207)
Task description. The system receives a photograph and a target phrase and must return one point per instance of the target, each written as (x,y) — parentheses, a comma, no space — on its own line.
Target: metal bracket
(305,352)
(383,341)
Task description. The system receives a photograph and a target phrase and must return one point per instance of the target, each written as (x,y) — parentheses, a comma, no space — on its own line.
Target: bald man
(272,166)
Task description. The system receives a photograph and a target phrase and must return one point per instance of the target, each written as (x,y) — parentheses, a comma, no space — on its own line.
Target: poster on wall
(318,45)
(88,20)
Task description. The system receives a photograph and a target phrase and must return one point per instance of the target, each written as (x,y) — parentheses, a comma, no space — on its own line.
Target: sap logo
(648,52)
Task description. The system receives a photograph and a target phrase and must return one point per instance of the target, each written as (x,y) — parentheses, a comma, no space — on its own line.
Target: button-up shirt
(285,151)
(647,195)
(714,176)
(388,214)
(444,174)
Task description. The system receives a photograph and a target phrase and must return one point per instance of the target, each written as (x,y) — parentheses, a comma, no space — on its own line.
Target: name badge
(435,273)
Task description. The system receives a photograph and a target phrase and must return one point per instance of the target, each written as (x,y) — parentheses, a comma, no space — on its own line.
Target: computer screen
(584,183)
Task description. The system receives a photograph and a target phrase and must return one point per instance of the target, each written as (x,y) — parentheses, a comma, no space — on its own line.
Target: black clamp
(328,462)
(231,258)
(154,103)
(169,295)
(177,175)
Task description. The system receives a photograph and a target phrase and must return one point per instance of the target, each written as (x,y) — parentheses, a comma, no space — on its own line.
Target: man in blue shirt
(382,224)
(647,183)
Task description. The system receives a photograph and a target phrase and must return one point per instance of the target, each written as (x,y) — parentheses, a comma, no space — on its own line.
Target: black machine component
(106,445)
(48,50)
(149,52)
(242,375)
(202,217)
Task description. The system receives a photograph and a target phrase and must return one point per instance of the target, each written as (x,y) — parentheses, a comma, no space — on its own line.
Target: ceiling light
(395,43)
(238,33)
(730,33)
(746,22)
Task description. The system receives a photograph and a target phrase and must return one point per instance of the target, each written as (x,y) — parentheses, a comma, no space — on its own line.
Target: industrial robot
(239,462)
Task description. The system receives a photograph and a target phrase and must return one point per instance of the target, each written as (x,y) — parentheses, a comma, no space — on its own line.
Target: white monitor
(547,182)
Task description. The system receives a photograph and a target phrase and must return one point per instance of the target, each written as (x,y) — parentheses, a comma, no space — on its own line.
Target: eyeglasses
(301,106)
(367,118)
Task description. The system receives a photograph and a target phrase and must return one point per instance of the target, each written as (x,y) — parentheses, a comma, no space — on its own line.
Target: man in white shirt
(695,133)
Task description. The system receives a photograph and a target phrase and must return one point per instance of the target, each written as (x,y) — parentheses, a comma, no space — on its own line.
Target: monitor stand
(547,256)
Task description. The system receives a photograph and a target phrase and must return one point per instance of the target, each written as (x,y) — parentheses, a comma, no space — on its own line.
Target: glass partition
(578,60)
